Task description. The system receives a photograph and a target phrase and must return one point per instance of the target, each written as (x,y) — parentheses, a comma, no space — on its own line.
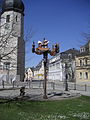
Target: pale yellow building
(83,64)
(35,73)
(39,71)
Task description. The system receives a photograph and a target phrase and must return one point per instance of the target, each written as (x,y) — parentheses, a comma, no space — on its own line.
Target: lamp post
(43,49)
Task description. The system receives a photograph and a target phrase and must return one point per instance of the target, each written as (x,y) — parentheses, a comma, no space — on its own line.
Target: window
(86,75)
(16,18)
(85,61)
(81,50)
(81,63)
(80,75)
(6,65)
(69,56)
(8,18)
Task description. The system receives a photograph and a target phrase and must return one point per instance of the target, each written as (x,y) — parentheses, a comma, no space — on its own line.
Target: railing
(8,80)
(50,85)
(79,87)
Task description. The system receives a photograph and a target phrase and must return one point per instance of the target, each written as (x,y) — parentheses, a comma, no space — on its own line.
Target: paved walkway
(81,92)
(37,94)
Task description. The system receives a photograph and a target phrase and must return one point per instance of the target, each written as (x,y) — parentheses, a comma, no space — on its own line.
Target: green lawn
(70,109)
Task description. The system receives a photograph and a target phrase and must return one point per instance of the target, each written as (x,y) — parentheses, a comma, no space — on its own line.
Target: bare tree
(86,36)
(8,47)
(6,37)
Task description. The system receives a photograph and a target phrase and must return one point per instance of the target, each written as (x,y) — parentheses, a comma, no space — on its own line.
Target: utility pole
(43,49)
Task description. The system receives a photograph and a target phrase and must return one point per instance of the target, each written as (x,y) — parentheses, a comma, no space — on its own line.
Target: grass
(70,109)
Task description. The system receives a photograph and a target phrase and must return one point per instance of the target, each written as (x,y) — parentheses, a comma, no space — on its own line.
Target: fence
(79,87)
(60,86)
(8,80)
(50,85)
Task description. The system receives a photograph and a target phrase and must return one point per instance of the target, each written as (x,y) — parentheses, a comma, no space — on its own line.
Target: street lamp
(43,49)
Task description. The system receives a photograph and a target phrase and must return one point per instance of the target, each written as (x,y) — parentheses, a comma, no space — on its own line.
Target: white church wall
(11,39)
(13,27)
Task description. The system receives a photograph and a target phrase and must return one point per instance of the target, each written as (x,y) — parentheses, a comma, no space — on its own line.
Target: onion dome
(15,5)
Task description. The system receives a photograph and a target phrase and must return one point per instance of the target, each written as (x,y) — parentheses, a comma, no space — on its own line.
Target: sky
(59,21)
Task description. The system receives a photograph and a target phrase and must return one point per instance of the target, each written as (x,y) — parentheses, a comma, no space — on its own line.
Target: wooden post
(53,85)
(29,83)
(13,84)
(74,86)
(3,83)
(85,87)
(45,55)
(66,84)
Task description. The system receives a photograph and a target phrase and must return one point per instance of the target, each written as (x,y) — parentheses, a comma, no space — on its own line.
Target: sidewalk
(37,94)
(81,92)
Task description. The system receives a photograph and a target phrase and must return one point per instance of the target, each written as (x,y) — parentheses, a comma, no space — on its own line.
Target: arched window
(86,75)
(85,61)
(80,75)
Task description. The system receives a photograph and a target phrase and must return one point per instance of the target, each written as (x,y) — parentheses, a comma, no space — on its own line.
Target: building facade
(29,74)
(69,64)
(55,72)
(58,66)
(38,71)
(62,64)
(83,64)
(12,45)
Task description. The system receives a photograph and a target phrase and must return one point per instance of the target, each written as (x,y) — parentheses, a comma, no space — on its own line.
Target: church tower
(12,43)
